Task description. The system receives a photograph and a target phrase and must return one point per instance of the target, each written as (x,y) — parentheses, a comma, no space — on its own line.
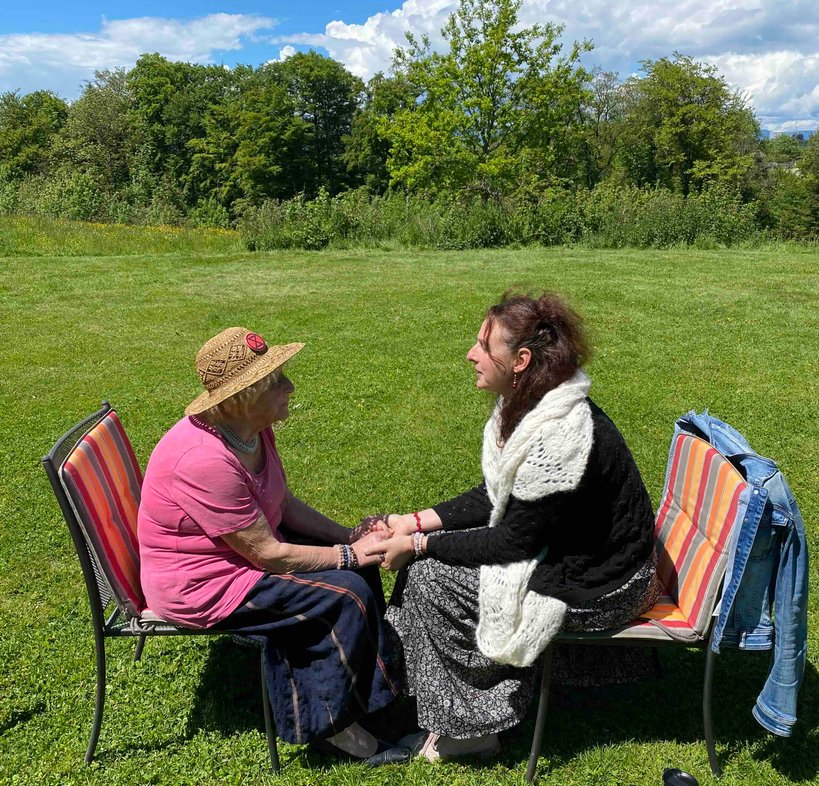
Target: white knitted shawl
(546,453)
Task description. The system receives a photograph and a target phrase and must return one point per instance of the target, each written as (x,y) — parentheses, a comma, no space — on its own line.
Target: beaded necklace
(230,436)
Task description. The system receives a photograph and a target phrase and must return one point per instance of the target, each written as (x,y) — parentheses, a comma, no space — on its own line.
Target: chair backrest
(97,481)
(700,507)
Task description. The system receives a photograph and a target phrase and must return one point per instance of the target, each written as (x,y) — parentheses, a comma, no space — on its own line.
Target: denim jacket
(767,568)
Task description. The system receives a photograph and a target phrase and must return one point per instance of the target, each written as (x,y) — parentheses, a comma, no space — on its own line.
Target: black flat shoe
(385,753)
(674,777)
(388,753)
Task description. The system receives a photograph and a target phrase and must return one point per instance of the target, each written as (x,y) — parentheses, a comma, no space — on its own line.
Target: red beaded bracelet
(418,522)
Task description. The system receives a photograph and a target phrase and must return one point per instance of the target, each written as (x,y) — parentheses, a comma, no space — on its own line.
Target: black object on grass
(674,777)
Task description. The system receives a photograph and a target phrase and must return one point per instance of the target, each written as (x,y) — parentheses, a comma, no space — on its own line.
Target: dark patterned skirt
(327,656)
(460,693)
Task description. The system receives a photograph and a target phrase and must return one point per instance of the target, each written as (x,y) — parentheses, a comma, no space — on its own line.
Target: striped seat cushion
(700,507)
(103,481)
(663,622)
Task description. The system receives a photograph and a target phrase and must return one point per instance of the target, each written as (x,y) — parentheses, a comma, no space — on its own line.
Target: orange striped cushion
(663,622)
(700,506)
(103,480)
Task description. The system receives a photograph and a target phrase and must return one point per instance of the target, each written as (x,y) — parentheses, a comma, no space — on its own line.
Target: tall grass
(27,236)
(606,217)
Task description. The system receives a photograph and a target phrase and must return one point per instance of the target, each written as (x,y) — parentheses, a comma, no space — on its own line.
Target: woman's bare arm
(258,546)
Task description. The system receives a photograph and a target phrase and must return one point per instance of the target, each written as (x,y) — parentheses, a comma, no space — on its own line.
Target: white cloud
(766,48)
(60,62)
(285,52)
(782,86)
(367,48)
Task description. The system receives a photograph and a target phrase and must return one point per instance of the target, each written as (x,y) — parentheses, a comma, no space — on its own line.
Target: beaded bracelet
(347,558)
(418,527)
(417,538)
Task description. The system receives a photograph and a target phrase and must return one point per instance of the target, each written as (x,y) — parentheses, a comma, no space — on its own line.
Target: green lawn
(385,416)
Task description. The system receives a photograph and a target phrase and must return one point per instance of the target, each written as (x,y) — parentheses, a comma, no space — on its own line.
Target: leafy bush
(620,217)
(296,223)
(9,196)
(75,196)
(209,213)
(166,206)
(791,206)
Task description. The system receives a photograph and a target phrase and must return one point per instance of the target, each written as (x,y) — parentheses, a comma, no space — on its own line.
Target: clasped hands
(386,537)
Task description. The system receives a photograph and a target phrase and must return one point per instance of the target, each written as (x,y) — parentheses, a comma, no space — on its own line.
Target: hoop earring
(514,380)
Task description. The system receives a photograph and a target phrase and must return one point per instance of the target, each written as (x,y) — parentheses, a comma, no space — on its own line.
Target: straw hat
(232,361)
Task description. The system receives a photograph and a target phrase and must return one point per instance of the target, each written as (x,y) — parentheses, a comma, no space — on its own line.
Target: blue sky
(768,49)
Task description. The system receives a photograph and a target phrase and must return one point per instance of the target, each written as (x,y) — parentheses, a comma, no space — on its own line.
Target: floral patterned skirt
(433,616)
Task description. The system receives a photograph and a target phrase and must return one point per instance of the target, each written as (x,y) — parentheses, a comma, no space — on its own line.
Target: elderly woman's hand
(364,548)
(397,552)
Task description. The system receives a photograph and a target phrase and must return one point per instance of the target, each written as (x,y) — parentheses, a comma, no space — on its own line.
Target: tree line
(503,115)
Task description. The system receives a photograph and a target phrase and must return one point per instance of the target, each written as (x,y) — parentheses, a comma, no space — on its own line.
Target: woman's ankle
(449,747)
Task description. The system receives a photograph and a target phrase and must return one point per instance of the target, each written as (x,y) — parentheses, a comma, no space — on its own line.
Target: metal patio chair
(97,482)
(699,508)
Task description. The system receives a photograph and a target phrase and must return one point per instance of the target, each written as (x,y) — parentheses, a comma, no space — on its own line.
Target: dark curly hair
(553,332)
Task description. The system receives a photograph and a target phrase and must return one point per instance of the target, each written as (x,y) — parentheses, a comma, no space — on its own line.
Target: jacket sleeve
(470,509)
(523,533)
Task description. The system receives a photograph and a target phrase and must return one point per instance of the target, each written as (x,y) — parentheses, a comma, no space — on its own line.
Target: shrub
(791,206)
(625,216)
(209,213)
(296,223)
(9,196)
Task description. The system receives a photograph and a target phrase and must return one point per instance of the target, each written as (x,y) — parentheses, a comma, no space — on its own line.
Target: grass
(36,236)
(385,417)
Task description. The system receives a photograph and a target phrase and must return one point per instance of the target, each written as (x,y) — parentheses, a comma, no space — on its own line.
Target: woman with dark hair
(558,535)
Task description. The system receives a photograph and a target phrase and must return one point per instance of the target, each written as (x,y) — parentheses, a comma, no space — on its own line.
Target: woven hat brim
(271,360)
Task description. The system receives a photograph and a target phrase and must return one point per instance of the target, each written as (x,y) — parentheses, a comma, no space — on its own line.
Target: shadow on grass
(21,716)
(228,701)
(228,697)
(797,757)
(670,709)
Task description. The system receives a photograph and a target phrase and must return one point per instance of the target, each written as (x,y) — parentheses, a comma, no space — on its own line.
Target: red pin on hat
(256,343)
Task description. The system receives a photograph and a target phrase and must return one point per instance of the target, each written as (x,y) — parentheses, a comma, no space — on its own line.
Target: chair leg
(543,703)
(99,704)
(269,725)
(139,647)
(707,687)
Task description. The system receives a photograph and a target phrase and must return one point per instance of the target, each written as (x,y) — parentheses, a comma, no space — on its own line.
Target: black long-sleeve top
(598,535)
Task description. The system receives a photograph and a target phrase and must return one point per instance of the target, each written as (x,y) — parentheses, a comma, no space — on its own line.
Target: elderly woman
(559,533)
(214,554)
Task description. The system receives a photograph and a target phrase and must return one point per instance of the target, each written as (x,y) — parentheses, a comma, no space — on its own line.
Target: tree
(98,137)
(29,125)
(170,104)
(367,147)
(326,96)
(809,164)
(254,146)
(783,149)
(601,115)
(496,104)
(684,128)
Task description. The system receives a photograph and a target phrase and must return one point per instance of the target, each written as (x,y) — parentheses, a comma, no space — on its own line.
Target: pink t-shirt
(195,490)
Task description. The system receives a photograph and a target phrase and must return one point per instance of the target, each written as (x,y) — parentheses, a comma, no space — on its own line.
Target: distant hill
(805,132)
